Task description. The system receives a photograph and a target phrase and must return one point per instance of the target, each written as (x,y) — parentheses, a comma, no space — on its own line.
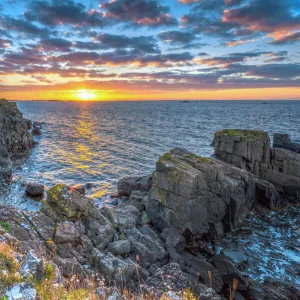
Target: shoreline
(158,212)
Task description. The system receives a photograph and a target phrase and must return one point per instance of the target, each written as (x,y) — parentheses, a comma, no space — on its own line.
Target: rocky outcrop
(199,196)
(15,138)
(251,151)
(282,140)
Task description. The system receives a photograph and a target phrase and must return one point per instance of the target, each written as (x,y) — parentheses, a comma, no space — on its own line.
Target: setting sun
(86,95)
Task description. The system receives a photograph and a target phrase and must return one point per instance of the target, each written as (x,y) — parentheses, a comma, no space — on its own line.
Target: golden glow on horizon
(86,95)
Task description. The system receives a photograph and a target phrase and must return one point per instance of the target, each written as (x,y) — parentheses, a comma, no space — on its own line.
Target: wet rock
(229,272)
(21,291)
(119,247)
(35,189)
(32,266)
(129,184)
(282,140)
(171,277)
(236,256)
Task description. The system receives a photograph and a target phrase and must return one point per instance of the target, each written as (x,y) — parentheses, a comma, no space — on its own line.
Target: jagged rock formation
(15,139)
(251,151)
(159,235)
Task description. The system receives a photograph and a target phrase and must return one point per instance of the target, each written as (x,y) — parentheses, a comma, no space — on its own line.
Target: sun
(86,95)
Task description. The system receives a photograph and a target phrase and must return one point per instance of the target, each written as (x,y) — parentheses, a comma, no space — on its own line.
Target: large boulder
(245,149)
(21,291)
(199,196)
(128,184)
(282,140)
(34,189)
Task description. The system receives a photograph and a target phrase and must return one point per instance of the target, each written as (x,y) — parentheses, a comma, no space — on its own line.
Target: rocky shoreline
(157,240)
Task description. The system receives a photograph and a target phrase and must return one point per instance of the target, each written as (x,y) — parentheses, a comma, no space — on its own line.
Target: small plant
(5,226)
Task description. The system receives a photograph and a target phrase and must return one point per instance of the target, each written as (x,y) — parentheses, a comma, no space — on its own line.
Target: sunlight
(86,95)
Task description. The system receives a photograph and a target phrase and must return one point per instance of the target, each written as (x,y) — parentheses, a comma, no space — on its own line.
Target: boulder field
(159,239)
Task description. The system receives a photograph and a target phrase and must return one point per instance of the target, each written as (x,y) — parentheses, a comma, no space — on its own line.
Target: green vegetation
(5,226)
(200,159)
(250,134)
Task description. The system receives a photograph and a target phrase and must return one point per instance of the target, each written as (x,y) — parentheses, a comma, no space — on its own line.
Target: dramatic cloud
(281,38)
(266,15)
(139,12)
(57,12)
(176,37)
(55,44)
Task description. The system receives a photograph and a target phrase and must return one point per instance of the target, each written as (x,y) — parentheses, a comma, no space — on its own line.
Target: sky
(149,49)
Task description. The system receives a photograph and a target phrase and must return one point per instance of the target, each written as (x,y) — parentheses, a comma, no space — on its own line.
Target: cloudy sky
(149,49)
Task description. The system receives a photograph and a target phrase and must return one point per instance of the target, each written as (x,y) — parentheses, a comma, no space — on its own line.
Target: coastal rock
(63,203)
(171,276)
(245,149)
(32,266)
(66,233)
(250,150)
(79,188)
(129,184)
(15,140)
(34,189)
(21,291)
(119,247)
(186,186)
(229,272)
(282,140)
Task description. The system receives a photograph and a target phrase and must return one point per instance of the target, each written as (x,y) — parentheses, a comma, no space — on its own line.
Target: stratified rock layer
(198,195)
(251,151)
(14,137)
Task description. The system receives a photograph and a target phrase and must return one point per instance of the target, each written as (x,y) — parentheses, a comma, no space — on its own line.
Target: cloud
(139,12)
(230,59)
(277,71)
(140,43)
(57,12)
(189,1)
(176,37)
(55,44)
(282,38)
(266,15)
(4,43)
(24,26)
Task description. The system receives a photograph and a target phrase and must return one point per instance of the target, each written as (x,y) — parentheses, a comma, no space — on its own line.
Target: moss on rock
(249,134)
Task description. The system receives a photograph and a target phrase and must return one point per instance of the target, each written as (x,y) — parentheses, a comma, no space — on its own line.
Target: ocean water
(99,143)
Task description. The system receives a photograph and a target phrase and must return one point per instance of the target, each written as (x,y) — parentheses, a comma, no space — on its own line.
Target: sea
(101,142)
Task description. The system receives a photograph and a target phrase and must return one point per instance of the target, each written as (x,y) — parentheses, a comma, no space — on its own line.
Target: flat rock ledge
(157,241)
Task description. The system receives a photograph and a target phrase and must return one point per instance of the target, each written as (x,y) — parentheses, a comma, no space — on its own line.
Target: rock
(35,189)
(229,272)
(15,140)
(32,266)
(125,217)
(119,247)
(251,151)
(79,188)
(62,203)
(147,246)
(36,129)
(245,149)
(186,186)
(66,233)
(236,256)
(136,199)
(129,184)
(99,229)
(283,141)
(171,277)
(21,291)
(116,271)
